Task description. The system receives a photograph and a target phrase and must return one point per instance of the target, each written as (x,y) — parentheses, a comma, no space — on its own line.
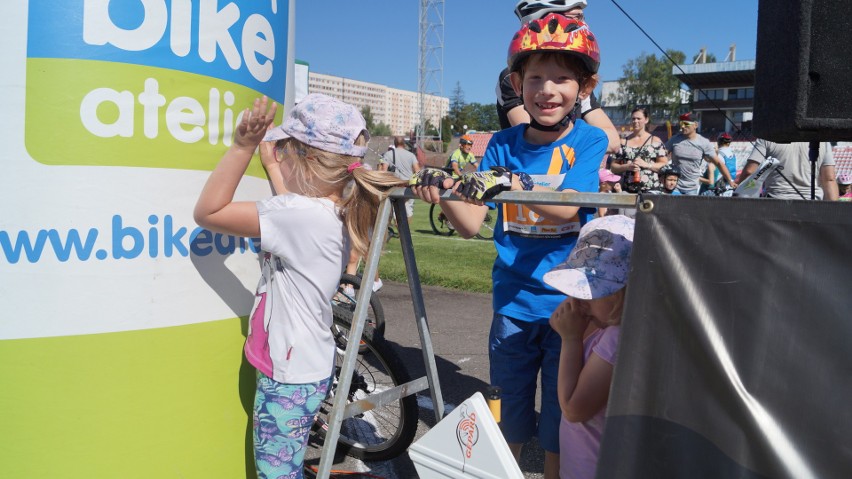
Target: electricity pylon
(431,59)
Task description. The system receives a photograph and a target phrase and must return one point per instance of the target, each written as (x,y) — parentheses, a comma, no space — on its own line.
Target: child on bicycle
(462,156)
(305,234)
(554,63)
(594,277)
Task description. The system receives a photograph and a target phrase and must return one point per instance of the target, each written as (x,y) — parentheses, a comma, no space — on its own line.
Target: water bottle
(492,396)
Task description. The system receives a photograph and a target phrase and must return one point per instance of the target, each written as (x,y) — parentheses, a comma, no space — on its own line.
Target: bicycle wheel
(343,304)
(486,231)
(440,225)
(381,433)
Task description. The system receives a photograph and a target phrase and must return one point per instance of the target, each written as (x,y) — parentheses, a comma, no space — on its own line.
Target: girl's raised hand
(255,121)
(267,151)
(568,320)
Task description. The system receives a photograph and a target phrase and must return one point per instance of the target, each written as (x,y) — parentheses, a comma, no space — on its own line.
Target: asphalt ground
(459,323)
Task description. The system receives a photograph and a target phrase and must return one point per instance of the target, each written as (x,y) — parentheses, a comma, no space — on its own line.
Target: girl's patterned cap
(600,261)
(325,123)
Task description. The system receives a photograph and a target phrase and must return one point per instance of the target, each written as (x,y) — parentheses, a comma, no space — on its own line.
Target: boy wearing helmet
(510,107)
(669,174)
(554,63)
(462,156)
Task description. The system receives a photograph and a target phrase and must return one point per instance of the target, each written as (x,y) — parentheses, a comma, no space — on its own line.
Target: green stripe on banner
(82,112)
(162,403)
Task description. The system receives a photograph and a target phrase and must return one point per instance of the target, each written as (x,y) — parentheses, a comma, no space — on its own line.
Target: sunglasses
(687,123)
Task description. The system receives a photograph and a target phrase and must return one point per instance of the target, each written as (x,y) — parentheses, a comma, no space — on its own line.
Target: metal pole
(352,344)
(419,307)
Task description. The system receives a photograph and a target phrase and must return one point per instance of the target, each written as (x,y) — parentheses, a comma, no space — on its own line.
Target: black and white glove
(430,177)
(484,185)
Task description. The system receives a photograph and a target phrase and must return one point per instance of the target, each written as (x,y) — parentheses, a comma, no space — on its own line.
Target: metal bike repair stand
(340,410)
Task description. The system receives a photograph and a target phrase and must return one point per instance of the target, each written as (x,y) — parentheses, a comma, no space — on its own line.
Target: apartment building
(399,109)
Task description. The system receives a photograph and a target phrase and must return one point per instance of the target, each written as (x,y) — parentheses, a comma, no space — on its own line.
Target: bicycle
(441,225)
(383,432)
(720,188)
(344,302)
(486,229)
(438,220)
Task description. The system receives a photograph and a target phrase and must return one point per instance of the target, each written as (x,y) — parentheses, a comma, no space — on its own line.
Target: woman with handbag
(641,156)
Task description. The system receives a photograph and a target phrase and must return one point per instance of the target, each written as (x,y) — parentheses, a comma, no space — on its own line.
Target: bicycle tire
(439,223)
(486,230)
(382,433)
(344,301)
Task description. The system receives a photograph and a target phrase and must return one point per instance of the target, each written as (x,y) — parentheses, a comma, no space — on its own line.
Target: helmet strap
(564,122)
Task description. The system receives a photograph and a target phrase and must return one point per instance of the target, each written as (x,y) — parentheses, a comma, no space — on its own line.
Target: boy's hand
(568,321)
(254,123)
(484,185)
(425,184)
(431,177)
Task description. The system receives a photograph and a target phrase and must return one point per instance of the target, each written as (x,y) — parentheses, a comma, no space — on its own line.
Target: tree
(430,142)
(368,117)
(457,115)
(381,129)
(446,133)
(649,81)
(483,117)
(375,129)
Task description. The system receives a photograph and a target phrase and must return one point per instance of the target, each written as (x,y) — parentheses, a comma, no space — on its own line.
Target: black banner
(736,345)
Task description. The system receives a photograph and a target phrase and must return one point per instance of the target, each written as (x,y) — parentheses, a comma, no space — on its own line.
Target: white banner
(114,113)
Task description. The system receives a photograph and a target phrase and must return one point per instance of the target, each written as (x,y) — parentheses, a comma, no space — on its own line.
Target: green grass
(448,261)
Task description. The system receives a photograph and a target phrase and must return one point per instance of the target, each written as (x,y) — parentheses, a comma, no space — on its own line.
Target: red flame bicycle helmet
(555,33)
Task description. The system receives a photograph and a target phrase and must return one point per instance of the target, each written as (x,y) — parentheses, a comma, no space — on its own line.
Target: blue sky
(376,40)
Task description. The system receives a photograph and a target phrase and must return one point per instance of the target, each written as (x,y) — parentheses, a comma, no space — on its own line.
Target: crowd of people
(689,164)
(560,273)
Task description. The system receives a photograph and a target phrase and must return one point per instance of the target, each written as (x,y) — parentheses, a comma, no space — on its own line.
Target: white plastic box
(467,443)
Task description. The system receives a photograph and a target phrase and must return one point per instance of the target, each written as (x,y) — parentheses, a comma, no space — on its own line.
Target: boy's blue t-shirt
(527,245)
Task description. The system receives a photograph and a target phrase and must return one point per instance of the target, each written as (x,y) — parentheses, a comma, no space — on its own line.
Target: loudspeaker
(803,71)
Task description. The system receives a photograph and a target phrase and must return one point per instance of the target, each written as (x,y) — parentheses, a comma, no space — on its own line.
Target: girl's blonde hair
(617,306)
(321,173)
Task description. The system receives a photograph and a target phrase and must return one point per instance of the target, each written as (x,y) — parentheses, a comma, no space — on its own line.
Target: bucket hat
(325,123)
(600,261)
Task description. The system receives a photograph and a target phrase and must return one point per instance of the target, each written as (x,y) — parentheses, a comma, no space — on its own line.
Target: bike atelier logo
(467,432)
(147,83)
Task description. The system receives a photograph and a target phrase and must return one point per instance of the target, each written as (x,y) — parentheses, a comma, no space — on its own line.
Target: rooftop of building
(736,72)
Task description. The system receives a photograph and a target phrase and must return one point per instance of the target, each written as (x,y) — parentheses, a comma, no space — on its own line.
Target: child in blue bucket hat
(595,278)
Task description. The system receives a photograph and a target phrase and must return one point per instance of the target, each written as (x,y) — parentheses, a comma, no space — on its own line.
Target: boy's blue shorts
(517,351)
